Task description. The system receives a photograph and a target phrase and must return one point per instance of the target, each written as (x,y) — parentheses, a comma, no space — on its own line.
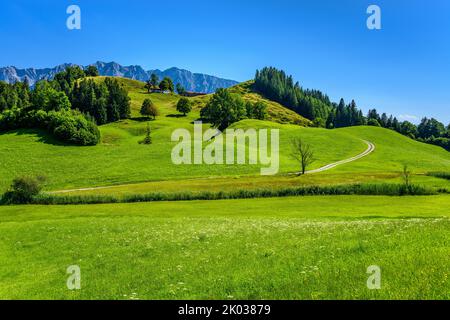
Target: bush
(23,190)
(373,123)
(66,125)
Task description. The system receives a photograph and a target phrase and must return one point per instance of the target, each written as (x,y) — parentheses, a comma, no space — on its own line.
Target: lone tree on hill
(184,106)
(149,109)
(303,153)
(148,136)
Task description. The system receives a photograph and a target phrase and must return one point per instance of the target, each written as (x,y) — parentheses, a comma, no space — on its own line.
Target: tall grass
(355,189)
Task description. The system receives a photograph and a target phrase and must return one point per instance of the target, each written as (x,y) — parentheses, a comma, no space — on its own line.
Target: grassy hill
(120,159)
(316,247)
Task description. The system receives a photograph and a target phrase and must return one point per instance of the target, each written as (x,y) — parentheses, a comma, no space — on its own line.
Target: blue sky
(402,69)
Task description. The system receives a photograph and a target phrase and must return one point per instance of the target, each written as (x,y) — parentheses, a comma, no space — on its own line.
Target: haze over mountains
(190,81)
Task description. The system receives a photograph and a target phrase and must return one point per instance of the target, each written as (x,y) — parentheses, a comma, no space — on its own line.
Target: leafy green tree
(259,110)
(154,80)
(92,71)
(373,122)
(184,106)
(67,78)
(408,129)
(430,128)
(223,109)
(180,89)
(167,85)
(149,109)
(45,97)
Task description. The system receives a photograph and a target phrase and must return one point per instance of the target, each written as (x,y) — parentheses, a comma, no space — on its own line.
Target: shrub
(373,123)
(23,190)
(66,125)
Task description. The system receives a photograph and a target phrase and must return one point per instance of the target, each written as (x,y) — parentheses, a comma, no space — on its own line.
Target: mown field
(291,248)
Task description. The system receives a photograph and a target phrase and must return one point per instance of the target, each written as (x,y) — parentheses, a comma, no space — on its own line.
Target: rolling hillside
(119,159)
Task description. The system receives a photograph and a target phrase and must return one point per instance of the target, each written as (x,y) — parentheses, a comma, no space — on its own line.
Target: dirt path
(370,149)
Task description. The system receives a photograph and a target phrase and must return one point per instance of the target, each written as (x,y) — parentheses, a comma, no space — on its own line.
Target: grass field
(315,247)
(292,248)
(120,159)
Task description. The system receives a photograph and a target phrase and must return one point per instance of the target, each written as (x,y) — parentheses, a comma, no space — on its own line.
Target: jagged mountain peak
(190,81)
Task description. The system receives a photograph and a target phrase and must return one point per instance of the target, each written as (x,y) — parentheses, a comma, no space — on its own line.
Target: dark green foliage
(345,116)
(431,128)
(14,96)
(223,109)
(154,80)
(277,86)
(373,123)
(149,109)
(256,110)
(105,101)
(184,106)
(180,89)
(46,97)
(92,71)
(167,85)
(408,129)
(23,190)
(67,125)
(442,175)
(118,97)
(64,80)
(148,136)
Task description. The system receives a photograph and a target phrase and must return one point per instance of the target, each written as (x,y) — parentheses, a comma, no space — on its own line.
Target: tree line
(317,107)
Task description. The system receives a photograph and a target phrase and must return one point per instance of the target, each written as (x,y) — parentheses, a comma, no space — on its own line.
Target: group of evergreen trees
(276,85)
(316,106)
(105,101)
(344,115)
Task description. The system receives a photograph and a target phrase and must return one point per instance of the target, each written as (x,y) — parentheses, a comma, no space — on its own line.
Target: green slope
(119,159)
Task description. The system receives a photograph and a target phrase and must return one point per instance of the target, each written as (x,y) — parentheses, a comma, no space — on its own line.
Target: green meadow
(311,247)
(290,248)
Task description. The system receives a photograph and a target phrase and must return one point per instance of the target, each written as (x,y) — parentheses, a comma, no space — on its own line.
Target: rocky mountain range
(196,82)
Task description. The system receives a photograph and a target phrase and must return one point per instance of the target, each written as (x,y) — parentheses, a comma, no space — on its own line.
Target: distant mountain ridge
(197,82)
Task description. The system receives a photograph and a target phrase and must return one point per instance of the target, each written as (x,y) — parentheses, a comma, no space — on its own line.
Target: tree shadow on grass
(42,135)
(142,119)
(176,116)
